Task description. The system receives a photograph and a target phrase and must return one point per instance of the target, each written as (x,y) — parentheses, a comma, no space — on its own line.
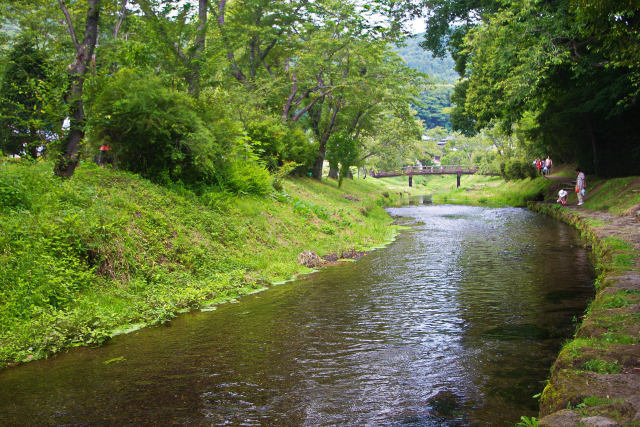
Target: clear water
(456,323)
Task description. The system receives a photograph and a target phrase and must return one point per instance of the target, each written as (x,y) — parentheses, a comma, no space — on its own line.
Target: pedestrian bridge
(410,171)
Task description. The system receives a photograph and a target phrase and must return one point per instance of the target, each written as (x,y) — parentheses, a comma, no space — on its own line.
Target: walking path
(596,379)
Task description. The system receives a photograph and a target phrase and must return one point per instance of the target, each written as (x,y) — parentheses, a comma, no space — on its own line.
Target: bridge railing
(440,169)
(428,170)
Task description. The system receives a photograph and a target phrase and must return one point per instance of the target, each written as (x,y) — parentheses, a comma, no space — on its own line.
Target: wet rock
(310,259)
(352,254)
(445,403)
(563,418)
(598,422)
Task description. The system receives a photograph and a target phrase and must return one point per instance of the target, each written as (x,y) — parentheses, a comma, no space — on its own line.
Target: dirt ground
(596,379)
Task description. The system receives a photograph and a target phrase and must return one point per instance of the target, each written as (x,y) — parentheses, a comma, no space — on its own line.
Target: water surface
(456,323)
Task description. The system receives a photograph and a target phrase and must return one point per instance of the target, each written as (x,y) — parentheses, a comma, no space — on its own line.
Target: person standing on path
(547,164)
(581,186)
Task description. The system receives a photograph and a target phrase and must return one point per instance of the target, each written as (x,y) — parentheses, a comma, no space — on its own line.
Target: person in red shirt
(105,154)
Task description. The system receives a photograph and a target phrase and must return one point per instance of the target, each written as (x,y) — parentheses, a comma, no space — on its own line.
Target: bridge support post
(458,175)
(410,180)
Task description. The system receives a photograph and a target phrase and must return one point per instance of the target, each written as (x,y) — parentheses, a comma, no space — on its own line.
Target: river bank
(596,377)
(107,252)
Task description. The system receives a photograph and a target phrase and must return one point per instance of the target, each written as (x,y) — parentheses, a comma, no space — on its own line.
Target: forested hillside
(442,78)
(439,69)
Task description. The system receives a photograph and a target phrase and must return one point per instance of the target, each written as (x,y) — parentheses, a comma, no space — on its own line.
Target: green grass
(616,195)
(602,366)
(573,349)
(597,401)
(84,258)
(617,244)
(622,298)
(595,222)
(481,190)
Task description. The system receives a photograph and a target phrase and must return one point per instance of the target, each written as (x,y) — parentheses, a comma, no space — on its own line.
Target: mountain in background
(442,76)
(422,60)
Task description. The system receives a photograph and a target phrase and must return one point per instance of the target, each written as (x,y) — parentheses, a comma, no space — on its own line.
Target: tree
(172,33)
(68,159)
(25,120)
(342,154)
(317,57)
(557,62)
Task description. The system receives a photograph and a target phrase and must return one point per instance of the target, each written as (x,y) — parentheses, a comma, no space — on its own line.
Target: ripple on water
(456,323)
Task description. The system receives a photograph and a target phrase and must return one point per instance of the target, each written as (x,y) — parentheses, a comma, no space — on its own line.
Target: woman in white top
(581,185)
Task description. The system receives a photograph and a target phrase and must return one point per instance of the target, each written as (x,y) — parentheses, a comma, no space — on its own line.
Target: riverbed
(457,322)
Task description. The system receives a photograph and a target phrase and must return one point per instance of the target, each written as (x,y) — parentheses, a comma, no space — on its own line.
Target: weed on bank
(85,258)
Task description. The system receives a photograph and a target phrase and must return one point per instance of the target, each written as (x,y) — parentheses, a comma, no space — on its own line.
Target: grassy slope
(483,190)
(106,250)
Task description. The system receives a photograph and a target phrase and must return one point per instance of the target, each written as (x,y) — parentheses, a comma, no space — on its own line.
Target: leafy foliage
(552,69)
(29,111)
(166,136)
(517,169)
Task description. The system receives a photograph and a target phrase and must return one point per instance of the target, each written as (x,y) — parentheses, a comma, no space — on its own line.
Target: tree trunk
(317,165)
(322,149)
(194,79)
(594,144)
(69,157)
(333,172)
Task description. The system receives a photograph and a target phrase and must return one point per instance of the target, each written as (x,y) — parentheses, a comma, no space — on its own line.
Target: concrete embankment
(595,380)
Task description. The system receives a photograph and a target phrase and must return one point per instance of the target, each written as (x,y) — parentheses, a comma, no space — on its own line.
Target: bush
(13,194)
(248,177)
(147,125)
(166,136)
(512,169)
(276,143)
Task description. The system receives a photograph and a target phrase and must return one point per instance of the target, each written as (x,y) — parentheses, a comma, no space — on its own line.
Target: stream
(457,322)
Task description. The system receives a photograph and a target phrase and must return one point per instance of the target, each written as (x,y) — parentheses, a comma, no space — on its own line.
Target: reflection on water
(456,323)
(424,199)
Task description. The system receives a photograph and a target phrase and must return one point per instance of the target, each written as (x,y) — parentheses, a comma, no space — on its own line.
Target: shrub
(147,125)
(512,169)
(13,194)
(276,143)
(248,177)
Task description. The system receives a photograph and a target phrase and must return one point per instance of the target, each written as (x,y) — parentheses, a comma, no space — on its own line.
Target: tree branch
(123,11)
(72,32)
(149,13)
(311,104)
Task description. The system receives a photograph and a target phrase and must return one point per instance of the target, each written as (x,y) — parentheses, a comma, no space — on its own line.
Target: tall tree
(557,62)
(77,69)
(183,34)
(23,120)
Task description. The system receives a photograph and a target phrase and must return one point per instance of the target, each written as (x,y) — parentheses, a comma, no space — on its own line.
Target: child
(562,197)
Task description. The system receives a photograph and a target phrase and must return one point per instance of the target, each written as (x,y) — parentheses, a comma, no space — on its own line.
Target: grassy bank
(105,252)
(597,373)
(480,190)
